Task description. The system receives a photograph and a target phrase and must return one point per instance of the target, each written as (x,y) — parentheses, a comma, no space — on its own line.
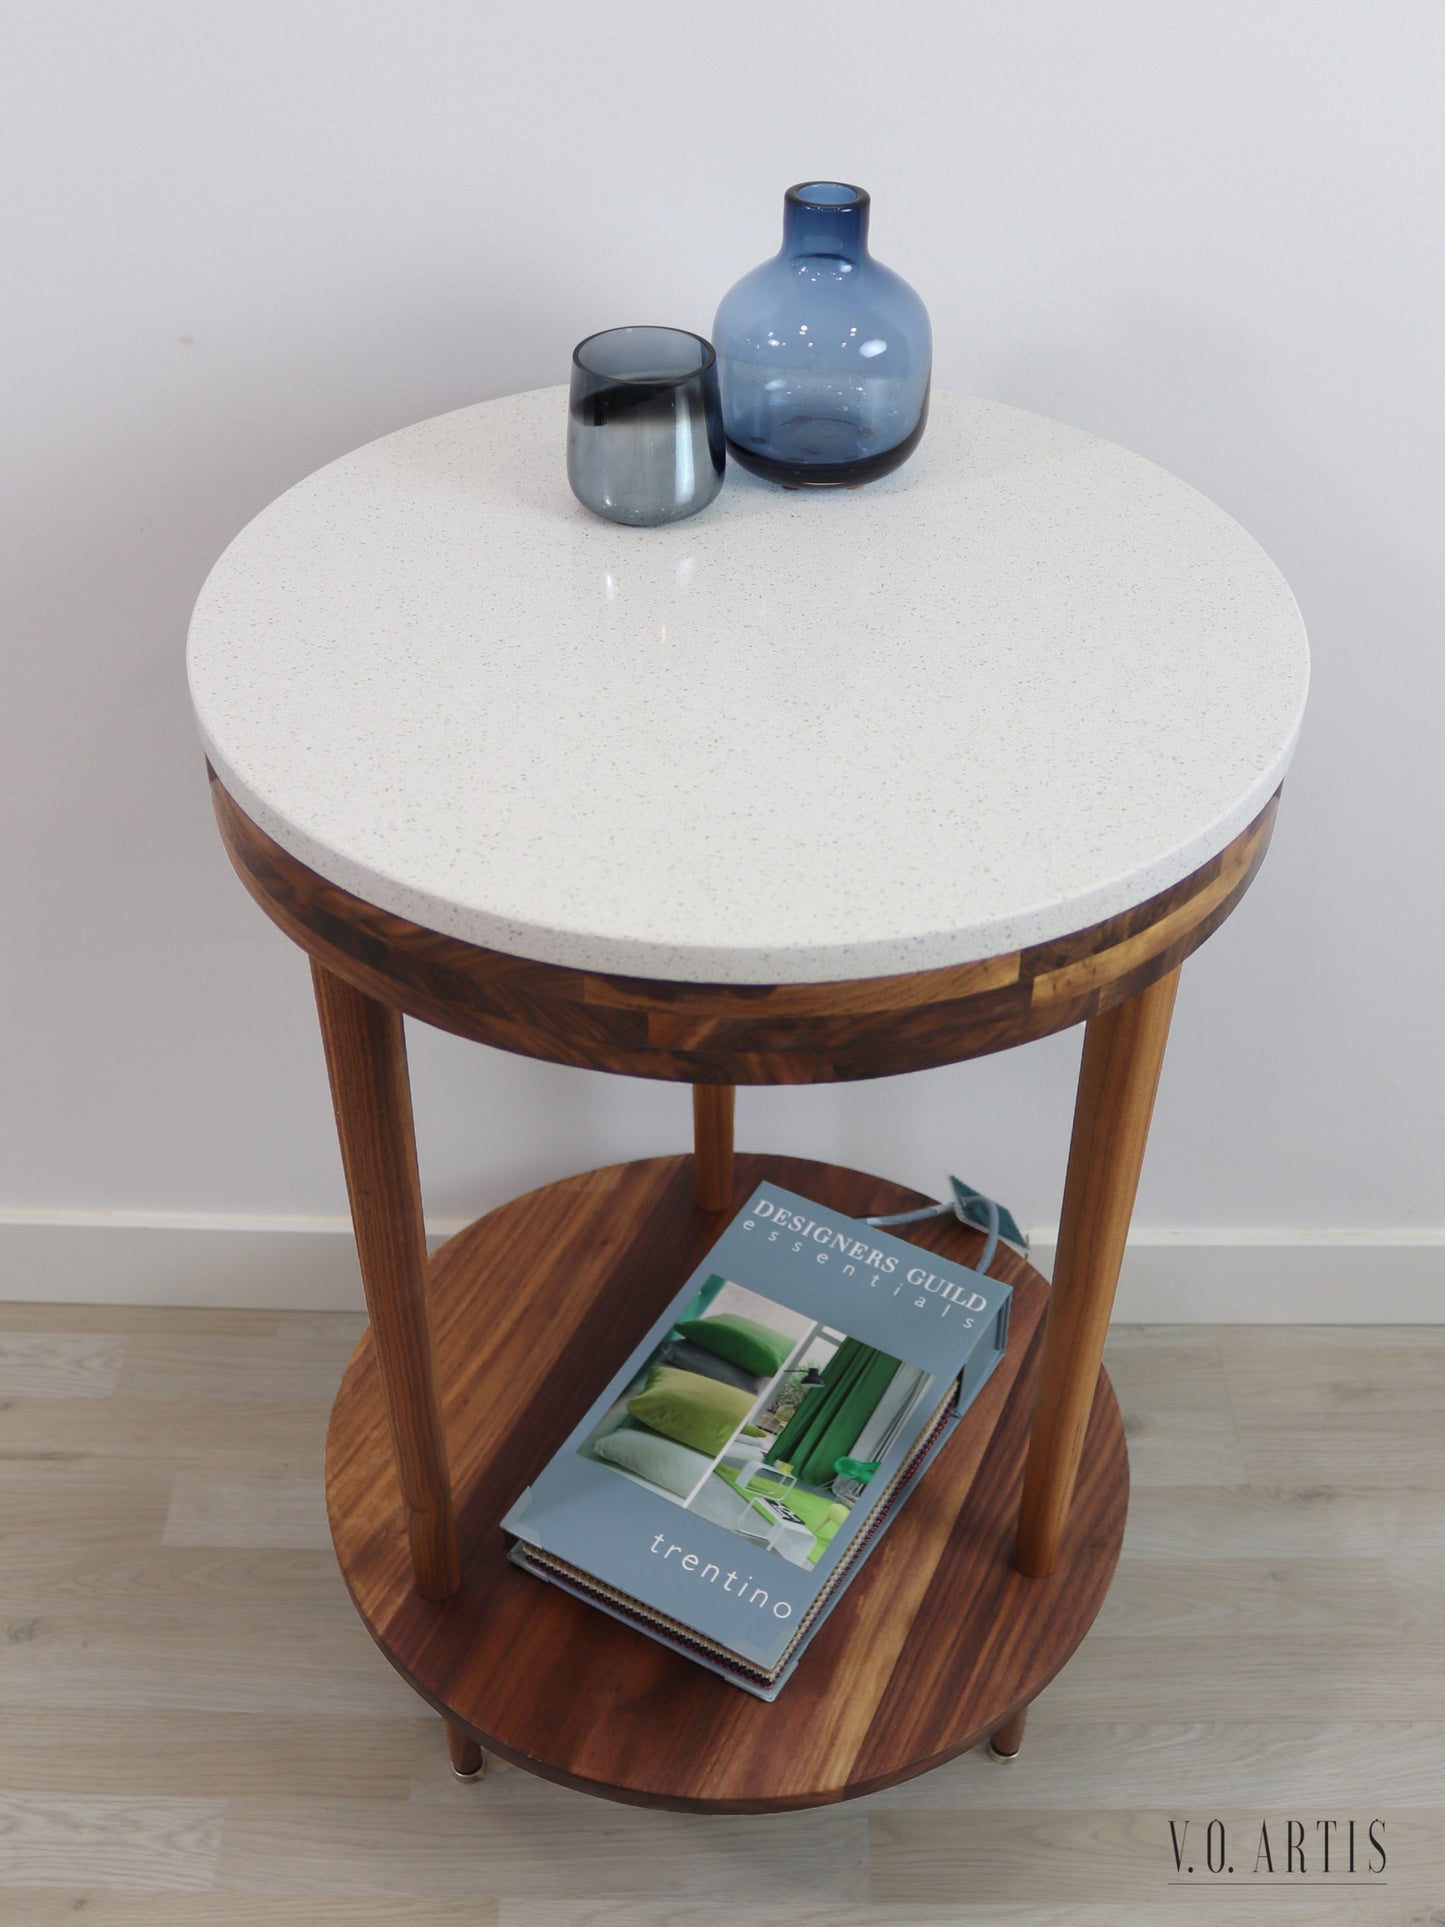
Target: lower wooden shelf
(934,1644)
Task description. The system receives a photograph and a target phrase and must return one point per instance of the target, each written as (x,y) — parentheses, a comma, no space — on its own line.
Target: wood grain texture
(1194,1439)
(60,1365)
(21,1317)
(1123,1053)
(738,1034)
(109,1841)
(713,1107)
(481,1840)
(366,1060)
(936,1643)
(75,1907)
(1256,1648)
(152,1753)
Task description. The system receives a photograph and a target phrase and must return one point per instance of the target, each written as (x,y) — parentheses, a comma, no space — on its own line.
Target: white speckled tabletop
(1022,683)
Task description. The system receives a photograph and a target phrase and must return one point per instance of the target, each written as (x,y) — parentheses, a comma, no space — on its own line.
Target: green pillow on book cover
(700,1412)
(755,1347)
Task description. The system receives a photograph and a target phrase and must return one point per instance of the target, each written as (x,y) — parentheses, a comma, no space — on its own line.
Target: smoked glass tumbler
(644,429)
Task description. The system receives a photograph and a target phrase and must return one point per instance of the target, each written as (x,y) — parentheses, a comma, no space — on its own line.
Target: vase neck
(826,217)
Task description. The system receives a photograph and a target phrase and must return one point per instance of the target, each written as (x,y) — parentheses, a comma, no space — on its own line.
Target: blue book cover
(732,1478)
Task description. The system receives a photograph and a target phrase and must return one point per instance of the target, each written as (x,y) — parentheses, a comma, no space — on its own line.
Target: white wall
(242,238)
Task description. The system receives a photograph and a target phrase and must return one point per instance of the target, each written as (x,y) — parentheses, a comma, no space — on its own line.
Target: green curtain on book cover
(827,1423)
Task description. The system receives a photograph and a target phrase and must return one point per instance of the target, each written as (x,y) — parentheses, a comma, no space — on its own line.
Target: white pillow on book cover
(676,1468)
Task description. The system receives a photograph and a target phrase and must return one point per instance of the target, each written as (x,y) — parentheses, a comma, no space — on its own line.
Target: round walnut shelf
(937,1641)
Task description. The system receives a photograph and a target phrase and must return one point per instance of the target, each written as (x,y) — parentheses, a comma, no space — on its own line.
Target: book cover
(734,1475)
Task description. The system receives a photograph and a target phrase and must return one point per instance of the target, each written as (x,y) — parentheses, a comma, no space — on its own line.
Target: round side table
(815,787)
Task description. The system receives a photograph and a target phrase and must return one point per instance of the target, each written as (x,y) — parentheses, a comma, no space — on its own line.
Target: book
(727,1485)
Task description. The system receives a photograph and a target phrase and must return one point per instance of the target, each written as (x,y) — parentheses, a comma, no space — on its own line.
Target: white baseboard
(1276,1277)
(308,1264)
(133,1258)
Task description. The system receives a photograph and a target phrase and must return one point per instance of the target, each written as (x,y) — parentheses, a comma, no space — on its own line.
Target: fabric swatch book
(725,1487)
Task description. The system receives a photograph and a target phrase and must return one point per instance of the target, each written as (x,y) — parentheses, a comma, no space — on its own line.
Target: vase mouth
(830,196)
(646,353)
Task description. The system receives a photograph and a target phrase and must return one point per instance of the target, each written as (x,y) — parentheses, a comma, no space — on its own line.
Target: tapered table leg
(366,1058)
(1005,1743)
(466,1755)
(1123,1051)
(712,1137)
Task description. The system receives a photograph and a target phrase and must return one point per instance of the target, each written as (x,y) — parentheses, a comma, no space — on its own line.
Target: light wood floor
(195,1728)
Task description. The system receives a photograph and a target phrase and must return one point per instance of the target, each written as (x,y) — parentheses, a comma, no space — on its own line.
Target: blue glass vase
(823,353)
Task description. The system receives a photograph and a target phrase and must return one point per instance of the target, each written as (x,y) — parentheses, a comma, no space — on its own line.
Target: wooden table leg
(1005,1743)
(1123,1051)
(466,1755)
(712,1137)
(366,1058)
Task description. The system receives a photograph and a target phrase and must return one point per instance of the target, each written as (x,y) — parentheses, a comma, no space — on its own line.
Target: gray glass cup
(644,428)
